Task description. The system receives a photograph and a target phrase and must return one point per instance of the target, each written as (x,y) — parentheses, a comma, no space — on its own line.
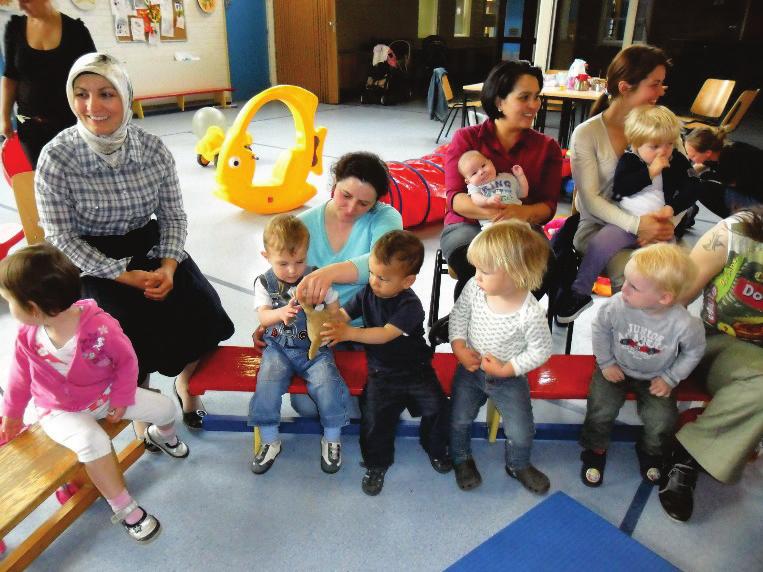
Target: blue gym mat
(561,534)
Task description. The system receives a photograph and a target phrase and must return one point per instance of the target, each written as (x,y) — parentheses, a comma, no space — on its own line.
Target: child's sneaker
(65,492)
(592,469)
(331,456)
(373,481)
(145,530)
(531,478)
(179,450)
(265,457)
(467,475)
(650,466)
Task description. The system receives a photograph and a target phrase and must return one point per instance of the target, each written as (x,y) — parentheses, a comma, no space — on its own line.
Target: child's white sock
(168,435)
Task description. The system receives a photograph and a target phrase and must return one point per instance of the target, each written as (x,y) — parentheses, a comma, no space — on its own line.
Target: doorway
(305,45)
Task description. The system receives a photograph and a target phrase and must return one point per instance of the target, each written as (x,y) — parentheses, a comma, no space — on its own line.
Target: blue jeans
(324,385)
(511,396)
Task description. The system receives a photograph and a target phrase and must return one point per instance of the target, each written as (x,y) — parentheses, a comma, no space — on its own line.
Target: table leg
(564,123)
(540,118)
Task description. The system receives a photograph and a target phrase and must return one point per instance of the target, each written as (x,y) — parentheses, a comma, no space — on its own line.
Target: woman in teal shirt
(343,229)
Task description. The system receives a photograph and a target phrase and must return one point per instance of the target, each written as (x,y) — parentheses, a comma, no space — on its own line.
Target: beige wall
(153,69)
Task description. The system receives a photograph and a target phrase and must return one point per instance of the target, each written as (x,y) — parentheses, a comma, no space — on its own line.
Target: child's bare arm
(335,332)
(272,316)
(10,427)
(479,199)
(524,186)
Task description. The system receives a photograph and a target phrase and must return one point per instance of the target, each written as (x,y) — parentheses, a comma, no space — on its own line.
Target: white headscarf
(104,65)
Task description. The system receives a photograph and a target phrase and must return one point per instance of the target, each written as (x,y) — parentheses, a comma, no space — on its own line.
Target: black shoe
(592,469)
(467,475)
(677,491)
(373,481)
(570,305)
(441,465)
(531,478)
(438,334)
(650,466)
(191,419)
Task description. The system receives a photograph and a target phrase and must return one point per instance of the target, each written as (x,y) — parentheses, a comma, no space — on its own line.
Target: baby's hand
(289,312)
(659,388)
(613,373)
(491,365)
(495,200)
(469,358)
(115,415)
(518,171)
(524,186)
(660,162)
(335,332)
(9,428)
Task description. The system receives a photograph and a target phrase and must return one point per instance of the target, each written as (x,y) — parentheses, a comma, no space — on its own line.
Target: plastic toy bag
(577,68)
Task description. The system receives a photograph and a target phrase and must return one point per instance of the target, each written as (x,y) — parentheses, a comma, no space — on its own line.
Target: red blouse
(539,155)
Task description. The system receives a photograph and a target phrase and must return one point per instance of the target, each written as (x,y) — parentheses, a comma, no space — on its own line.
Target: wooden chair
(454,106)
(734,116)
(711,100)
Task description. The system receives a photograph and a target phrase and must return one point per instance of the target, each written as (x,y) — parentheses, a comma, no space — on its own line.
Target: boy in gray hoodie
(645,343)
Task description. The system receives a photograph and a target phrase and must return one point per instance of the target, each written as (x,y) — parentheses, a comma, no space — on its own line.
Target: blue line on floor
(628,525)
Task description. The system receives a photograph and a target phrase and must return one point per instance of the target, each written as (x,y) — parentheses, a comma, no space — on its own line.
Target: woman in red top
(511,99)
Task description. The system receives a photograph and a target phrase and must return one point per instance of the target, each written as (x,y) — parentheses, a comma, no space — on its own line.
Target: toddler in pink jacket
(77,365)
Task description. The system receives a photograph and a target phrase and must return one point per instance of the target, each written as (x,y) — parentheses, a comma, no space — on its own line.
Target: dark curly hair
(365,167)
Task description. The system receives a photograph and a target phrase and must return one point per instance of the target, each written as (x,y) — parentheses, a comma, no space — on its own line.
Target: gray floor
(216,513)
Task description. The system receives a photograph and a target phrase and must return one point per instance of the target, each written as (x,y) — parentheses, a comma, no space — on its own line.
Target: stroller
(389,79)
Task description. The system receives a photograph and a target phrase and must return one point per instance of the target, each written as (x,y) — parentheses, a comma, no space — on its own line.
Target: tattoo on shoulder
(714,242)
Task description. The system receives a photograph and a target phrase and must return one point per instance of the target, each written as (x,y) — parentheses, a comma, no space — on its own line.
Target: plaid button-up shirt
(78,194)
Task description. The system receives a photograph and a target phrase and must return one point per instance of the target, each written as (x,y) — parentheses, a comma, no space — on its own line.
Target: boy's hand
(659,388)
(10,427)
(660,162)
(289,312)
(491,365)
(115,414)
(613,373)
(335,332)
(469,358)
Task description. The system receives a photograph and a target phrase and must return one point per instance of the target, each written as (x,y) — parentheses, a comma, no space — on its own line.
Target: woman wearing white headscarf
(109,198)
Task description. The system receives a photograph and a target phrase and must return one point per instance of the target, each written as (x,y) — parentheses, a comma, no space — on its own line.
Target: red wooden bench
(219,93)
(233,368)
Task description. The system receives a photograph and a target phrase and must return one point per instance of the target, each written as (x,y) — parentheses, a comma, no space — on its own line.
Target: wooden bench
(220,95)
(32,467)
(233,368)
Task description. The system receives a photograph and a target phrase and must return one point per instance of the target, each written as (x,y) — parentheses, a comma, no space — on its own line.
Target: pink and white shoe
(65,492)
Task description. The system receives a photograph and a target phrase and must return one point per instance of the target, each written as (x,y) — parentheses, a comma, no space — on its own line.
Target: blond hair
(669,266)
(514,247)
(465,157)
(651,123)
(285,233)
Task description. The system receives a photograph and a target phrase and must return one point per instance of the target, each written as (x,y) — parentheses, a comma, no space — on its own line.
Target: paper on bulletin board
(168,18)
(137,29)
(177,10)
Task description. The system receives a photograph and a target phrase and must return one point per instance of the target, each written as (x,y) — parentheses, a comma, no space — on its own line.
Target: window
(462,22)
(427,18)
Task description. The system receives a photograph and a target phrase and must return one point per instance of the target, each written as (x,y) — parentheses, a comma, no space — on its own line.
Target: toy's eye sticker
(234,162)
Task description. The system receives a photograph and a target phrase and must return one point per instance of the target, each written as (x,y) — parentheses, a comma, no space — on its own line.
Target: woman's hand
(163,280)
(654,227)
(139,279)
(10,427)
(115,414)
(314,287)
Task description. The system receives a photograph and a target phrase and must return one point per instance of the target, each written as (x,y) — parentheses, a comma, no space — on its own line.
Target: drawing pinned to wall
(84,5)
(162,20)
(207,6)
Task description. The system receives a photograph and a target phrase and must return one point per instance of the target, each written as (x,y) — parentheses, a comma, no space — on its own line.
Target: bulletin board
(157,20)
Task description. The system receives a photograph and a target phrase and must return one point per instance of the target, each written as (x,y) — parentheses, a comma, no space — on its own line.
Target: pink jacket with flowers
(104,357)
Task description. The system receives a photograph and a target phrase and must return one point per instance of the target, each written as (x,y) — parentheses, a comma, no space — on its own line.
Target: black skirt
(166,335)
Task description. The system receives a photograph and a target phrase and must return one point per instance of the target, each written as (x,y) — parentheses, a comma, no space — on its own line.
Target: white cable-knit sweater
(521,337)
